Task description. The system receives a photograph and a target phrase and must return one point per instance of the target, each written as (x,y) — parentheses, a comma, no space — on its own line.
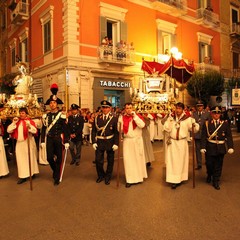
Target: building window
(13,54)
(204,48)
(235,60)
(204,3)
(47,37)
(46,19)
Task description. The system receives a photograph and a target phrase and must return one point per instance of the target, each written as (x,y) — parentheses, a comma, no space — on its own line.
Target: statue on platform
(23,81)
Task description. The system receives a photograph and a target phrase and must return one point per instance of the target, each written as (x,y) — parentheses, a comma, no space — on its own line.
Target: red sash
(25,130)
(126,120)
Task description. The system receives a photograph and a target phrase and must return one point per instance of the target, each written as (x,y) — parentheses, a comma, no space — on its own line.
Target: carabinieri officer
(216,135)
(105,138)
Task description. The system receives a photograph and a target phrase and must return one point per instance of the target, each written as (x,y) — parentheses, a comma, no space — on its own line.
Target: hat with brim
(105,103)
(199,103)
(74,106)
(216,109)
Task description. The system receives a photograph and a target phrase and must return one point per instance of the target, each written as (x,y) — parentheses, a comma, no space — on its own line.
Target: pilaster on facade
(71,26)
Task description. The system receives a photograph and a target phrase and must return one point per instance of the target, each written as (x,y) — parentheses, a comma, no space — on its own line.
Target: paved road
(79,208)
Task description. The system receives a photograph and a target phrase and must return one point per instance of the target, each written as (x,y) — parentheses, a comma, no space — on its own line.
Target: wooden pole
(193,155)
(29,163)
(119,148)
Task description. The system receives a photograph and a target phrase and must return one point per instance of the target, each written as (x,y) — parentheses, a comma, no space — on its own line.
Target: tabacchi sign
(117,84)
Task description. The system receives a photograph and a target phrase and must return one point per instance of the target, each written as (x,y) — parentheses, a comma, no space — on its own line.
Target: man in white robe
(177,128)
(133,150)
(22,129)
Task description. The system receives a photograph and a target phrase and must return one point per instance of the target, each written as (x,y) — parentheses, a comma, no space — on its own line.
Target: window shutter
(103,28)
(123,31)
(200,52)
(210,53)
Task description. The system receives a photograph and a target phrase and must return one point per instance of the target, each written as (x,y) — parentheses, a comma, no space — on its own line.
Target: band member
(75,124)
(22,129)
(177,129)
(133,149)
(56,133)
(200,117)
(216,135)
(105,138)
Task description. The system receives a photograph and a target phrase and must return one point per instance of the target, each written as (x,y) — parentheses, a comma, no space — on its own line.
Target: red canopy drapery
(174,68)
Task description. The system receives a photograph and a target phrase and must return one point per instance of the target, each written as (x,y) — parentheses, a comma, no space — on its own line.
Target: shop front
(116,91)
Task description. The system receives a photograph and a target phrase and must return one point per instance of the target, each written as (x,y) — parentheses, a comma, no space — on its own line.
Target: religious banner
(236,96)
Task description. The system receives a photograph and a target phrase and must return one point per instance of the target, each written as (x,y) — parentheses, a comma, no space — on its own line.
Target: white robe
(158,128)
(22,151)
(133,152)
(3,160)
(177,152)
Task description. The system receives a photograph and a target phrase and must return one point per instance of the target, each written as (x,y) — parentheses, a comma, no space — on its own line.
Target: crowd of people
(106,128)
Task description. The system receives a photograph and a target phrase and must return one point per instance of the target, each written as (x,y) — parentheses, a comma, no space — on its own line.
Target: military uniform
(75,126)
(105,135)
(55,132)
(215,136)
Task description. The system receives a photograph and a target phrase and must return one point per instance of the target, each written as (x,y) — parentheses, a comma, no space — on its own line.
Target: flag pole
(29,163)
(193,155)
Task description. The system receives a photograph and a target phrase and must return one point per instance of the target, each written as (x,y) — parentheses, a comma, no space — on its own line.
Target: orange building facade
(62,41)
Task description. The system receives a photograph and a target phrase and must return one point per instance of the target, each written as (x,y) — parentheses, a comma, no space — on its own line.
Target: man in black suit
(200,117)
(105,138)
(75,125)
(216,135)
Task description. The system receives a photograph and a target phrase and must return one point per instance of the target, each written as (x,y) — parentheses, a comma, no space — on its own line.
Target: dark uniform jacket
(201,121)
(75,126)
(59,129)
(106,132)
(216,144)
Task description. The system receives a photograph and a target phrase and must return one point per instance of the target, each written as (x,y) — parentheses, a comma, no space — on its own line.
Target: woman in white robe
(3,160)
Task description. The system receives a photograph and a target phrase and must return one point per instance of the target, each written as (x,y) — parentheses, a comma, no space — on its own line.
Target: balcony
(207,18)
(20,14)
(206,67)
(235,30)
(175,8)
(114,55)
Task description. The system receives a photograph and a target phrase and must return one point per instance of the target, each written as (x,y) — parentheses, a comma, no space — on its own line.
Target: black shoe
(128,185)
(77,163)
(72,162)
(148,164)
(56,182)
(100,179)
(174,186)
(21,180)
(209,179)
(216,186)
(107,181)
(198,168)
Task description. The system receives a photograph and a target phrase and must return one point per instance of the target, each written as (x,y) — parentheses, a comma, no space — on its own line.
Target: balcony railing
(235,29)
(20,13)
(172,7)
(205,67)
(112,54)
(208,18)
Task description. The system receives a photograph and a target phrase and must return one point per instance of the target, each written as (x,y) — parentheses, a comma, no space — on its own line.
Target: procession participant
(216,134)
(23,129)
(133,149)
(3,159)
(200,117)
(54,127)
(105,138)
(159,127)
(75,125)
(177,128)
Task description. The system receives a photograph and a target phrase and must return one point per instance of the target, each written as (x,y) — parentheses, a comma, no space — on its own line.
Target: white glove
(42,145)
(203,150)
(27,123)
(66,145)
(95,146)
(114,147)
(230,150)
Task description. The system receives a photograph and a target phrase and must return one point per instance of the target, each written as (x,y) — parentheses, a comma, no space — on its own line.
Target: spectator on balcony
(110,48)
(120,50)
(105,43)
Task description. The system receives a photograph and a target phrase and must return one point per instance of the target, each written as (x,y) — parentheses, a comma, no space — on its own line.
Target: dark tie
(105,118)
(199,114)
